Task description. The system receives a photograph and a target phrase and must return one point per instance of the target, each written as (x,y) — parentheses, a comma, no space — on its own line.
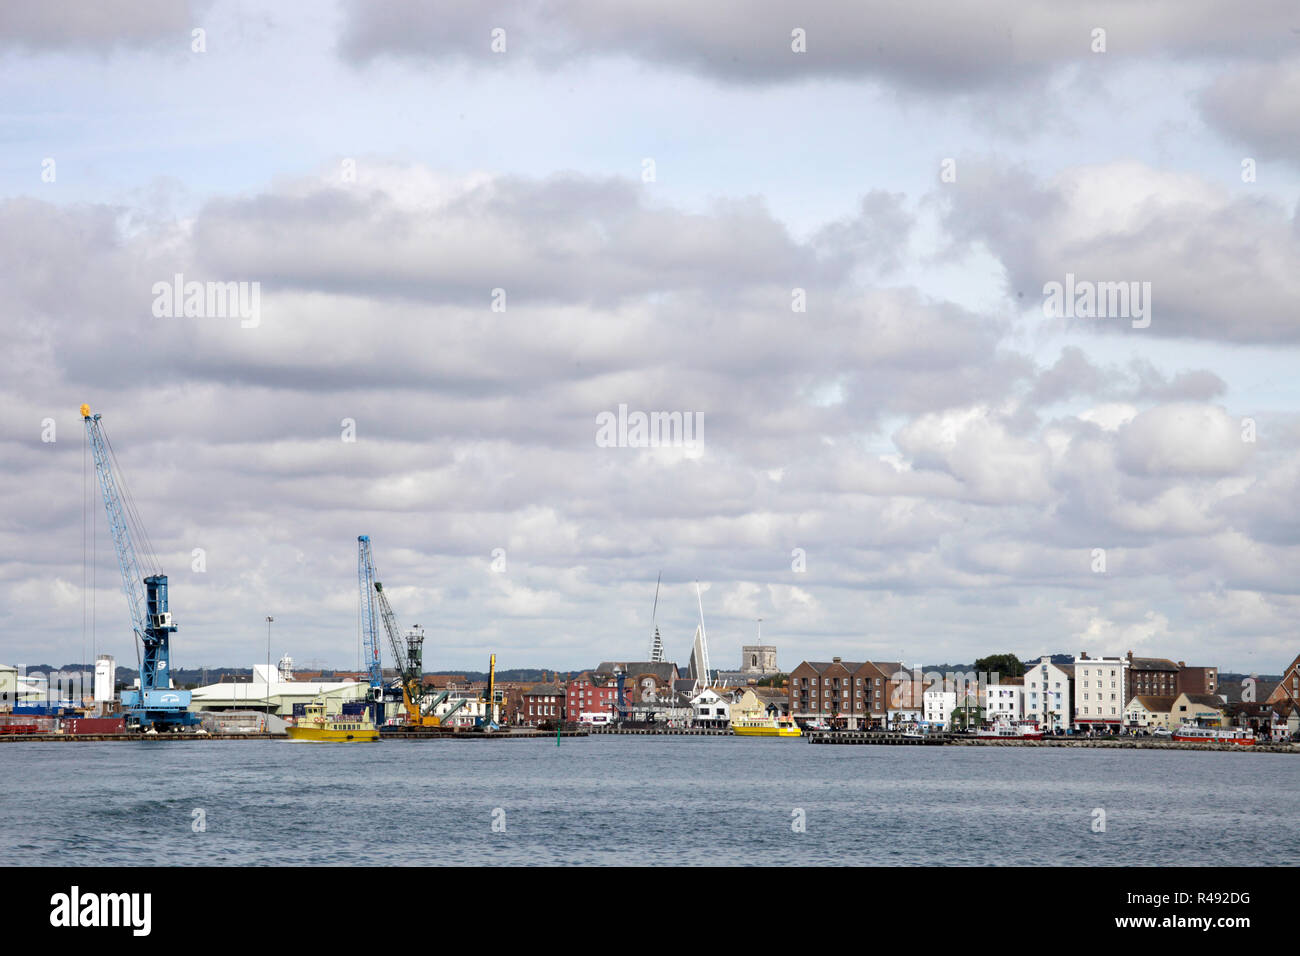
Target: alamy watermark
(208,300)
(649,429)
(1084,299)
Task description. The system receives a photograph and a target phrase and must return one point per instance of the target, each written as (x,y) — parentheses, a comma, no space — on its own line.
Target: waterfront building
(775,700)
(1147,712)
(541,704)
(1197,680)
(855,694)
(746,704)
(1049,694)
(1153,676)
(1207,710)
(590,693)
(710,709)
(270,693)
(904,717)
(1265,720)
(1100,692)
(937,707)
(1005,701)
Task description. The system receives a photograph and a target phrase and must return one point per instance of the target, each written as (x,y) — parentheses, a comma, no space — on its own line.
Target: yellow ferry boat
(765,727)
(316,726)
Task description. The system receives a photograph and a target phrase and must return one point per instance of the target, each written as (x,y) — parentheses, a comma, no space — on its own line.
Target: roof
(1154,703)
(1263,689)
(1153,664)
(662,670)
(1067,668)
(544,690)
(1205,700)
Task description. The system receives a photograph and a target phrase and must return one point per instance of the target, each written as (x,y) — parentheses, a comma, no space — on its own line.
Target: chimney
(1181,665)
(836,659)
(1130,655)
(1083,655)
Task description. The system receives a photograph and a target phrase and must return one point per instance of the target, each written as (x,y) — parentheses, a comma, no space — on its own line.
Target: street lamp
(269,619)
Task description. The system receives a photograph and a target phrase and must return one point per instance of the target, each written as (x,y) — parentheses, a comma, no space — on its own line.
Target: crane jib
(155,702)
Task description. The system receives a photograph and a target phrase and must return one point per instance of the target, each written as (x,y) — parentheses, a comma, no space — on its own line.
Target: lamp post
(269,619)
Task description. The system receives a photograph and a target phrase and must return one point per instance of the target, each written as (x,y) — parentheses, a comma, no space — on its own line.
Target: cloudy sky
(921,464)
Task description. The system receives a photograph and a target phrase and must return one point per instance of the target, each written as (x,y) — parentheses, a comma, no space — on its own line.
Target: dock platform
(873,737)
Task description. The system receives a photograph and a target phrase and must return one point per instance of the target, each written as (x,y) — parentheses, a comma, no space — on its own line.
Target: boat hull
(766,731)
(1193,739)
(324,735)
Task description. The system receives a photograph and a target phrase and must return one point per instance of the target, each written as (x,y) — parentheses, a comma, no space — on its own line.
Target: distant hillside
(213,675)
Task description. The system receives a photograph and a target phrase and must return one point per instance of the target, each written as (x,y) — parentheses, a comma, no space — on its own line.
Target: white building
(937,707)
(710,709)
(1100,692)
(471,711)
(1004,702)
(904,717)
(267,691)
(1048,694)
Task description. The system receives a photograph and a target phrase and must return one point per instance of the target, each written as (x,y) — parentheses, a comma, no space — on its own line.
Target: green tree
(1004,665)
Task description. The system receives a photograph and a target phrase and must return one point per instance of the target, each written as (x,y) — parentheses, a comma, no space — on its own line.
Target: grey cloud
(927,45)
(1220,266)
(1074,374)
(1258,106)
(100,26)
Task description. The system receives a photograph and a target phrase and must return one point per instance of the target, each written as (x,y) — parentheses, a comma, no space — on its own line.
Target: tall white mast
(700,653)
(656,643)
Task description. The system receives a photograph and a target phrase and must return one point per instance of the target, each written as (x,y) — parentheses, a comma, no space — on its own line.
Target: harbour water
(642,801)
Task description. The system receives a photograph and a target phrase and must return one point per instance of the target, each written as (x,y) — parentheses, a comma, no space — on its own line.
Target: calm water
(682,800)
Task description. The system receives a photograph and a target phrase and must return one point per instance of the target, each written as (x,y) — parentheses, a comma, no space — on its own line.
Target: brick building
(853,694)
(593,693)
(1153,676)
(1287,690)
(540,704)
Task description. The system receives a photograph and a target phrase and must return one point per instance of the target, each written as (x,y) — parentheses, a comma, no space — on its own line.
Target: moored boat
(1192,733)
(765,727)
(1007,730)
(316,726)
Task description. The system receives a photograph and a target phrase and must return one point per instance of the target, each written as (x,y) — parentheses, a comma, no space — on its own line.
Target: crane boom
(146,595)
(394,633)
(369,616)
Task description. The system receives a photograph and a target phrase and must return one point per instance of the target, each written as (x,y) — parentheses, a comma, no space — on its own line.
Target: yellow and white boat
(316,726)
(765,727)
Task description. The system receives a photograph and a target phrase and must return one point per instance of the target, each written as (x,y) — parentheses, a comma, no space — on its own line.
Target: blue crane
(156,704)
(369,615)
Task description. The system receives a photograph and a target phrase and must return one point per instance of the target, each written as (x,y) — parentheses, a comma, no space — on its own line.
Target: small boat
(316,726)
(765,727)
(1007,730)
(1191,733)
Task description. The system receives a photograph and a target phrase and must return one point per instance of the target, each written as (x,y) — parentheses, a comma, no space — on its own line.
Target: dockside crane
(408,652)
(370,626)
(156,704)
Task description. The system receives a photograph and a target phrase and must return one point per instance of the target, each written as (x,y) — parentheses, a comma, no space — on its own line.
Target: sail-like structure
(700,670)
(657,648)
